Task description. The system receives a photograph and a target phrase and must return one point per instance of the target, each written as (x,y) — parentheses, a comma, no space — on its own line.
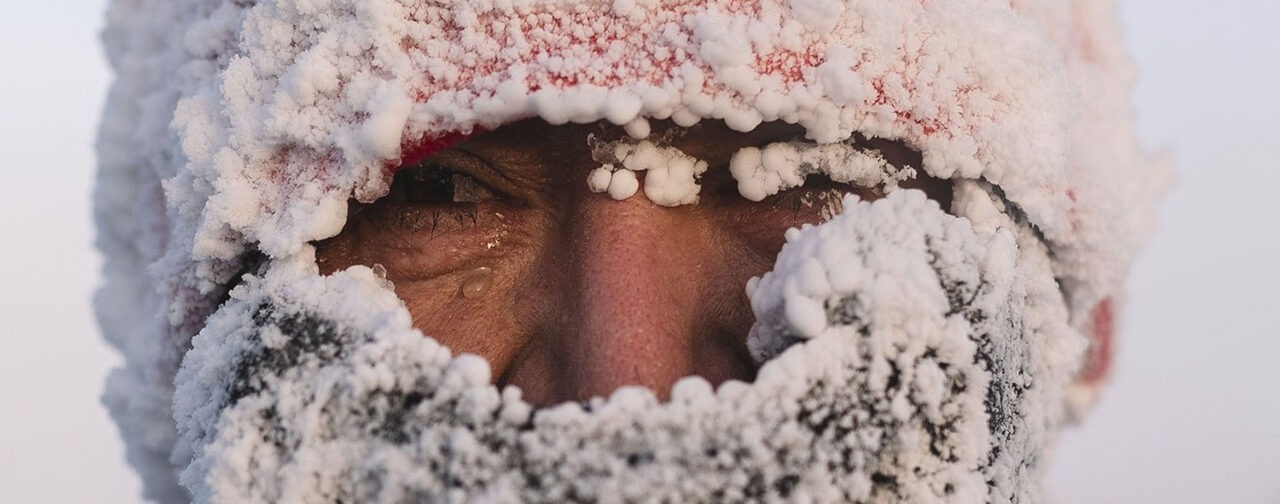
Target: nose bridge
(637,295)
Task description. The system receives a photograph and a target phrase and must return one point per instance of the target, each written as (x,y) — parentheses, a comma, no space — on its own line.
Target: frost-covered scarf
(909,352)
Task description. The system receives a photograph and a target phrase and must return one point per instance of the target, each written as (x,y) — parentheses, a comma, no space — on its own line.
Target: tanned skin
(498,248)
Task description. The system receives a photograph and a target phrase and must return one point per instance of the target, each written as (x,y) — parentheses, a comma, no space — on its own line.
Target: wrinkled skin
(583,293)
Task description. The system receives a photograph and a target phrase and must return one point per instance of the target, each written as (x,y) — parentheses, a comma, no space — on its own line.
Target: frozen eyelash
(762,172)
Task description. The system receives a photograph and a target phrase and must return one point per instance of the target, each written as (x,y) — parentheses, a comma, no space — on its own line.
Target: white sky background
(1193,415)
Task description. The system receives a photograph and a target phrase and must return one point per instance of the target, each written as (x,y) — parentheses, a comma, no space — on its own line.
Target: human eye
(449,211)
(818,199)
(447,195)
(441,182)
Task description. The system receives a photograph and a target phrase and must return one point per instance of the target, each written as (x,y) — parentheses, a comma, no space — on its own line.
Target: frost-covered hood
(241,129)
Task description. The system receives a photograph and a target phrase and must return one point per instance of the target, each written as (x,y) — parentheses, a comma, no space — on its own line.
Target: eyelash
(417,221)
(822,193)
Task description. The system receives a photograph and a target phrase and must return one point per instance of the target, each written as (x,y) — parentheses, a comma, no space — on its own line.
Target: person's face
(498,248)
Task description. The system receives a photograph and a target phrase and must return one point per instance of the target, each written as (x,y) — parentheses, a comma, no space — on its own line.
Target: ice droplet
(476,282)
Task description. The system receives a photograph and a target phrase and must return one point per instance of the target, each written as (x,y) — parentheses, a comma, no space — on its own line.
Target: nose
(642,312)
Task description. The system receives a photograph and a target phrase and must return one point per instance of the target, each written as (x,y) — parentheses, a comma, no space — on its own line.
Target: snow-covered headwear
(909,354)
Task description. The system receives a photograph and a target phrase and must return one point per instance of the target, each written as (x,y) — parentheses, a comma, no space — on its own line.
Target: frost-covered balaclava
(908,352)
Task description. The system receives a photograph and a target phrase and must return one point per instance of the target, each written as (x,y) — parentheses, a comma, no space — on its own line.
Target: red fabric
(429,146)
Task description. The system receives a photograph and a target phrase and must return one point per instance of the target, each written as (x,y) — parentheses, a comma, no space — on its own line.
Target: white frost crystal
(623,184)
(780,166)
(598,180)
(236,132)
(670,176)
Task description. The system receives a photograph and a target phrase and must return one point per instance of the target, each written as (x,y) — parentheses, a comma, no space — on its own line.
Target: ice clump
(784,165)
(670,175)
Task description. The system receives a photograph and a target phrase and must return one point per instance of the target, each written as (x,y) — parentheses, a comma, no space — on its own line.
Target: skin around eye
(437,219)
(511,208)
